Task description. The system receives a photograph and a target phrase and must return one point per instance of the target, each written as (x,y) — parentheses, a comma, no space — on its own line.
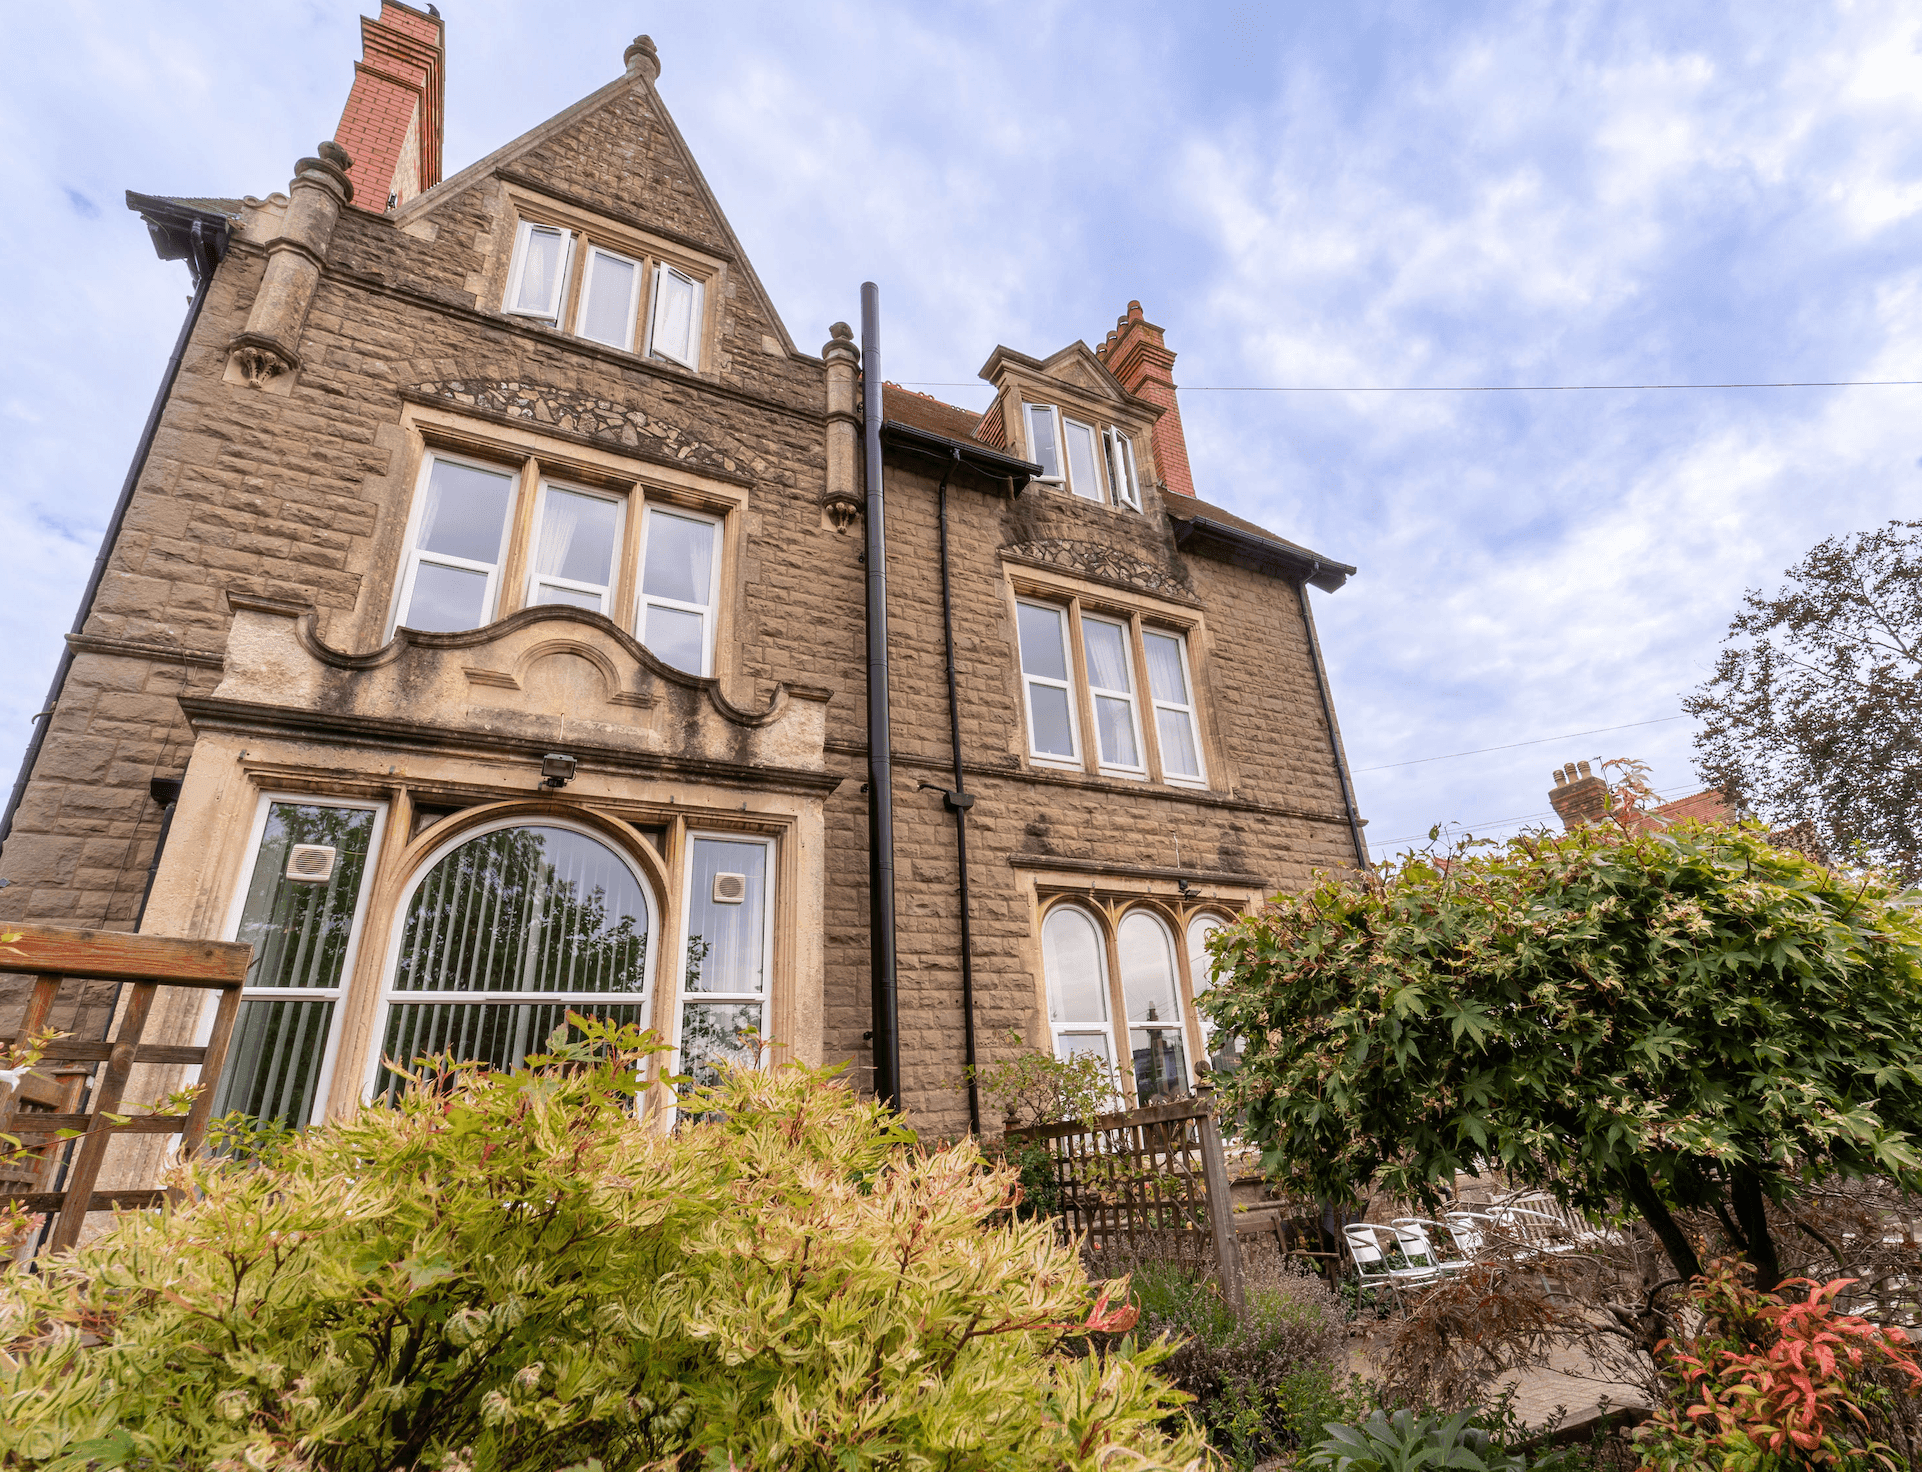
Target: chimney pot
(1584,767)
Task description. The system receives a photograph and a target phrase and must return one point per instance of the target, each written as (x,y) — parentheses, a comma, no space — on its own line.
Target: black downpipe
(205,255)
(958,801)
(881,940)
(1328,715)
(166,792)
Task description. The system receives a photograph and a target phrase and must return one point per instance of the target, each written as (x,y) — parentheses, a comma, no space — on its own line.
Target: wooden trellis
(1148,1185)
(79,1082)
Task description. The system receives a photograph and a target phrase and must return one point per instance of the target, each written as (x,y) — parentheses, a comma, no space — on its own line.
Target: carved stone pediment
(1110,564)
(562,677)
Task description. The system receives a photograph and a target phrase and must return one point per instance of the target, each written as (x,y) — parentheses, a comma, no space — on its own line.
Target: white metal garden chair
(1380,1262)
(1430,1243)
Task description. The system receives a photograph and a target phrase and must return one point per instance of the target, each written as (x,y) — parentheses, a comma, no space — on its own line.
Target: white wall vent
(730,889)
(310,863)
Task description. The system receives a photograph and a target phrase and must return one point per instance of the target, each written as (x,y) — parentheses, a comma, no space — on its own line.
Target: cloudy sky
(1375,196)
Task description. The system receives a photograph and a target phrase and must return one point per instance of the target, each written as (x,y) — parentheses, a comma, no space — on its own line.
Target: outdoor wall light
(557,770)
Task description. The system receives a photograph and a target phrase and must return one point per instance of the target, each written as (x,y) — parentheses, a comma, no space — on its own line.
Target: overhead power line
(1478,388)
(1537,741)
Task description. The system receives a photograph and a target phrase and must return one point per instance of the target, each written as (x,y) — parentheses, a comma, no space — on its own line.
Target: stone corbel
(266,355)
(840,502)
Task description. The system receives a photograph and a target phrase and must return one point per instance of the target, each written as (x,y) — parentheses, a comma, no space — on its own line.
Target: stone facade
(244,639)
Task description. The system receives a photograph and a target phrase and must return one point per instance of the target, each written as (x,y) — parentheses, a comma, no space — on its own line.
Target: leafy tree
(1683,1019)
(513,1271)
(1814,711)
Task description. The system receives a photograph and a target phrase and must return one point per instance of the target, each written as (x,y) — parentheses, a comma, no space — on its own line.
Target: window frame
(710,615)
(1139,770)
(640,265)
(524,231)
(1105,989)
(697,315)
(1178,1025)
(1059,476)
(385,994)
(684,920)
(535,579)
(1099,493)
(1192,710)
(1118,448)
(357,929)
(412,554)
(1071,686)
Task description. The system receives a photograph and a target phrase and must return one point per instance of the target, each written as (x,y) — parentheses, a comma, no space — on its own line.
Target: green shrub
(512,1271)
(1407,1442)
(1262,1382)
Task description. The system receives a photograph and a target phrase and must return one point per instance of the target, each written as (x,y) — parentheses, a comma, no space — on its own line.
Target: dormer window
(1094,464)
(579,284)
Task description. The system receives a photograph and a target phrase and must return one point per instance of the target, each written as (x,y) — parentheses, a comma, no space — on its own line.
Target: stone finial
(335,155)
(841,332)
(642,59)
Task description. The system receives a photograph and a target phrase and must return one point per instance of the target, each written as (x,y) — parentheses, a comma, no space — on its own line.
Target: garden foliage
(1677,1019)
(1407,1441)
(1774,1382)
(512,1271)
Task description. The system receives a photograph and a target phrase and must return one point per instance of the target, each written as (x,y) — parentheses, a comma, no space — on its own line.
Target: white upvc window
(1120,452)
(456,542)
(1044,442)
(1074,962)
(1172,691)
(1105,644)
(537,284)
(674,318)
(727,953)
(577,538)
(1152,992)
(301,907)
(610,294)
(1053,737)
(680,561)
(1084,479)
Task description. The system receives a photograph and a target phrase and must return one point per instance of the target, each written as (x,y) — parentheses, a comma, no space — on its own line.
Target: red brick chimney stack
(1136,354)
(392,123)
(1579,796)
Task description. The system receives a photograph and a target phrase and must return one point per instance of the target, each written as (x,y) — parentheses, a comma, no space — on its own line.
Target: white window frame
(709,612)
(1119,452)
(1139,770)
(1105,990)
(230,931)
(536,579)
(765,996)
(696,315)
(1060,477)
(372,1070)
(1047,758)
(1189,711)
(1200,982)
(1095,493)
(1178,1024)
(404,595)
(594,253)
(558,298)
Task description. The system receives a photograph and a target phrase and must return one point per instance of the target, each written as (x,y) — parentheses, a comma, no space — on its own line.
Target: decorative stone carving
(642,59)
(578,413)
(839,500)
(259,360)
(267,354)
(1102,562)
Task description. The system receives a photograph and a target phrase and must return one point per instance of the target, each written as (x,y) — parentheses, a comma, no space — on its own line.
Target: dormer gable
(1070,415)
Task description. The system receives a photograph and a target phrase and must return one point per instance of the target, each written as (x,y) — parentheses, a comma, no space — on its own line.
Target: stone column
(267,353)
(841,501)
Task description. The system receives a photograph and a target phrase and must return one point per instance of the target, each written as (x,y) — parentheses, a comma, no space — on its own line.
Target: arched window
(1074,959)
(1153,993)
(1221,1049)
(504,934)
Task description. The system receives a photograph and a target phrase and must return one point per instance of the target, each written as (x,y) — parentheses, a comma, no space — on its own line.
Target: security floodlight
(557,770)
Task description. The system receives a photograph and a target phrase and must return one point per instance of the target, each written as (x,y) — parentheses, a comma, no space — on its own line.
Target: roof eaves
(991,463)
(1264,554)
(171,222)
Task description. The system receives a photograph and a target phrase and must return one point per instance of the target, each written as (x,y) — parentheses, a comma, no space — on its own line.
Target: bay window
(1118,655)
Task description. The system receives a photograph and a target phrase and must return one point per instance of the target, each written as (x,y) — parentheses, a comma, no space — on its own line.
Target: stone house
(482,635)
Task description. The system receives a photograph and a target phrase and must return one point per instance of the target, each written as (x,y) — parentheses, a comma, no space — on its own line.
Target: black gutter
(1328,715)
(958,800)
(200,238)
(991,463)
(883,1000)
(1263,553)
(166,792)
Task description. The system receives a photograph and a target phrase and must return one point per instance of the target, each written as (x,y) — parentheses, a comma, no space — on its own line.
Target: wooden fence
(78,1083)
(1150,1185)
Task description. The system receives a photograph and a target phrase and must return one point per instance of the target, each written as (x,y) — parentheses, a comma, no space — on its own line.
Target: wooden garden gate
(78,1083)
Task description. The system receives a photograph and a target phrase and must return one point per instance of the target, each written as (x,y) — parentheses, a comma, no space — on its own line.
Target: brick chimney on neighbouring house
(391,126)
(1135,354)
(1579,795)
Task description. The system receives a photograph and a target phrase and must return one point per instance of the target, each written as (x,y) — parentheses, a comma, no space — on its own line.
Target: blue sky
(1365,196)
